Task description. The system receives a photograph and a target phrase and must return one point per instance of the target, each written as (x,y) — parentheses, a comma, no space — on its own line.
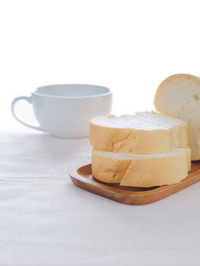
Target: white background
(129,46)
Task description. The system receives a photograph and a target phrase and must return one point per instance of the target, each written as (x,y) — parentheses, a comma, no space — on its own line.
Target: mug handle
(29,100)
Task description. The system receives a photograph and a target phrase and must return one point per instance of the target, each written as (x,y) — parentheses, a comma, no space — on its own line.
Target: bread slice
(179,96)
(142,133)
(141,170)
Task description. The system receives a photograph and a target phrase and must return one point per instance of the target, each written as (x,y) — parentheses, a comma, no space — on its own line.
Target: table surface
(46,220)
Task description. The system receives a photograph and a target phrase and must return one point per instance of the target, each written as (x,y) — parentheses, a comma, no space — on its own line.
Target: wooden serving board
(82,177)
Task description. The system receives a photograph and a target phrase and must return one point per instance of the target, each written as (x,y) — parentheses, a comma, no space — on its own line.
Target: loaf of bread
(141,170)
(143,133)
(179,96)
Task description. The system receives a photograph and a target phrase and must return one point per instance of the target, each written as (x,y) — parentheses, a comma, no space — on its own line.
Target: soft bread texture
(141,170)
(142,133)
(179,96)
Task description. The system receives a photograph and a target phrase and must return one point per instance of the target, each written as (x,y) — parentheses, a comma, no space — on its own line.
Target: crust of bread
(141,171)
(108,169)
(127,140)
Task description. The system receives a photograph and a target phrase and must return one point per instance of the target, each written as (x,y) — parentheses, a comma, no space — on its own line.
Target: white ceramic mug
(65,110)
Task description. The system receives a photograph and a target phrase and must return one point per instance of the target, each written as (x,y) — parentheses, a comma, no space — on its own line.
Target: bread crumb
(196,97)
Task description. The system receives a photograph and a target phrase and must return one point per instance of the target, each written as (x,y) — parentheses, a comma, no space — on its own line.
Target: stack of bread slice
(142,150)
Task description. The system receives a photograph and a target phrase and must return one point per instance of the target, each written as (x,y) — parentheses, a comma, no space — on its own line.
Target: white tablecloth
(46,220)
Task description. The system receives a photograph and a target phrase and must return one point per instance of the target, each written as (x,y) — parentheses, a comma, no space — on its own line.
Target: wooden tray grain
(82,177)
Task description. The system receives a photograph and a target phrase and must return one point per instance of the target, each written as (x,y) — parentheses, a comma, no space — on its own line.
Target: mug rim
(37,93)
